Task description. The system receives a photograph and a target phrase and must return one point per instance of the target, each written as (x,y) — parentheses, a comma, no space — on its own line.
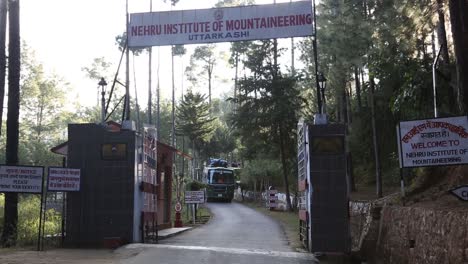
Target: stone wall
(418,235)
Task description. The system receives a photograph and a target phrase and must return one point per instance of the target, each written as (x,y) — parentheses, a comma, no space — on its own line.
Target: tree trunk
(236,77)
(193,160)
(358,88)
(459,21)
(3,16)
(285,168)
(378,176)
(442,33)
(209,88)
(366,103)
(350,169)
(349,113)
(9,235)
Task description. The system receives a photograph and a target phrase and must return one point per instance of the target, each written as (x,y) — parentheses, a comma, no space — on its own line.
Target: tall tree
(9,234)
(206,55)
(193,119)
(99,68)
(3,24)
(178,50)
(442,32)
(268,108)
(459,22)
(42,99)
(238,49)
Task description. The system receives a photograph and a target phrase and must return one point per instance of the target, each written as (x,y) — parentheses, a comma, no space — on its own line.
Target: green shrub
(28,219)
(195,186)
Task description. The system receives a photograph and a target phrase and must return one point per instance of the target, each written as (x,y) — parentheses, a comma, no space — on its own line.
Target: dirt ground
(69,256)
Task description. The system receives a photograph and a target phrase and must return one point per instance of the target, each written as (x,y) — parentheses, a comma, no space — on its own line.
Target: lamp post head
(322,81)
(102,82)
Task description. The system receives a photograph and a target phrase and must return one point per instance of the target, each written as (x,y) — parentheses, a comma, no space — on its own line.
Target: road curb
(170,232)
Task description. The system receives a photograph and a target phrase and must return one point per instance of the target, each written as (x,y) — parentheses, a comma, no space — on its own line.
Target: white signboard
(221,24)
(63,179)
(21,179)
(272,199)
(434,142)
(194,197)
(461,192)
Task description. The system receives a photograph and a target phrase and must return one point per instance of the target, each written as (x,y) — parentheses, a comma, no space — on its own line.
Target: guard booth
(116,203)
(124,194)
(323,195)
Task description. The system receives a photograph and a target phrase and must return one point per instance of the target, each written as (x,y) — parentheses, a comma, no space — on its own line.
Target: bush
(195,186)
(28,219)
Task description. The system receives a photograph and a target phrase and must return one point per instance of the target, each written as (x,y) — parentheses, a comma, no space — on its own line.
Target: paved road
(235,234)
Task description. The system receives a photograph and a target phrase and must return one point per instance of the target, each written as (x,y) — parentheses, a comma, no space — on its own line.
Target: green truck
(220,183)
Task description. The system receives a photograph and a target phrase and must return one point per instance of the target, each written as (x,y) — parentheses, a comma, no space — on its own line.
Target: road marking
(240,251)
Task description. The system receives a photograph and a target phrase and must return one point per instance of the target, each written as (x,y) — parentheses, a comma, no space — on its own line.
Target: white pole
(193,213)
(434,66)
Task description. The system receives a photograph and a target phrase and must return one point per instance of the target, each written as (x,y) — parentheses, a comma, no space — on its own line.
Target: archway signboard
(228,24)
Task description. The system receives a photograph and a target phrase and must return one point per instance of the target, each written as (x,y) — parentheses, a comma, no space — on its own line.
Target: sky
(67,35)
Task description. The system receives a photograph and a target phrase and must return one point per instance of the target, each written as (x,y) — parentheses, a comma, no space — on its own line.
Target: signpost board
(272,199)
(21,179)
(24,179)
(194,197)
(461,192)
(221,24)
(63,179)
(433,142)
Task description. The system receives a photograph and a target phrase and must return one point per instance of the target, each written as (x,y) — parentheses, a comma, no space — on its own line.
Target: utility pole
(314,44)
(378,173)
(150,70)
(158,106)
(173,99)
(293,69)
(127,71)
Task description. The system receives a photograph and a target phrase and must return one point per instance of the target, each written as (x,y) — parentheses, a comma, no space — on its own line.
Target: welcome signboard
(283,20)
(433,142)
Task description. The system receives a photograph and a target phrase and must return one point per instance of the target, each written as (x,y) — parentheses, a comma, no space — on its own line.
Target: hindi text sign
(63,179)
(228,24)
(21,179)
(434,142)
(192,197)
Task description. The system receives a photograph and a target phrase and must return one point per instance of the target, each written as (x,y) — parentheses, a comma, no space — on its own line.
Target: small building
(126,185)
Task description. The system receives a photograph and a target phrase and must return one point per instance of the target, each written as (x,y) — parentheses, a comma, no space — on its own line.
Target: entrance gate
(324,218)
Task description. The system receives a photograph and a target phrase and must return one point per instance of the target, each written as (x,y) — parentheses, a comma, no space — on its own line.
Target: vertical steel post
(314,44)
(158,107)
(127,71)
(150,71)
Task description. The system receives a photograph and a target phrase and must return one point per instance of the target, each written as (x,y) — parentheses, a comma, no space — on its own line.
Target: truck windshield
(221,177)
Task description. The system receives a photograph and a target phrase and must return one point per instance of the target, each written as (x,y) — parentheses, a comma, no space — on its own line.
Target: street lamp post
(103,85)
(322,81)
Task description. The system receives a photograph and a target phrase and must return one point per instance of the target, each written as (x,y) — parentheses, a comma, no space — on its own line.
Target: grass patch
(288,220)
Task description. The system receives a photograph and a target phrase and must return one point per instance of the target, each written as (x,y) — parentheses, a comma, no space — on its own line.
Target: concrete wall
(410,235)
(422,235)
